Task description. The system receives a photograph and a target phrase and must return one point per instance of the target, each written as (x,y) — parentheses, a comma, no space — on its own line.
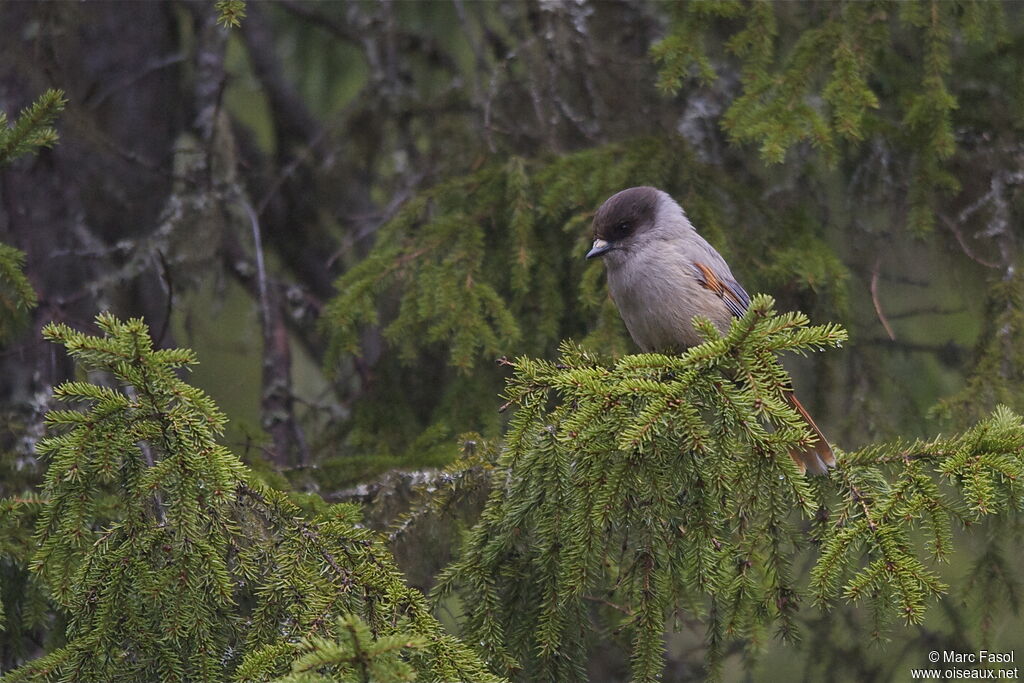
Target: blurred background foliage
(351,210)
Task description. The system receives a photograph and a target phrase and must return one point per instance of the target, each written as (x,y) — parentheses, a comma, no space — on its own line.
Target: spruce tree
(171,561)
(657,489)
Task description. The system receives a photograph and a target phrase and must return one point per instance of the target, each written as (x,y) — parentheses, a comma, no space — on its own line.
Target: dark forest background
(351,210)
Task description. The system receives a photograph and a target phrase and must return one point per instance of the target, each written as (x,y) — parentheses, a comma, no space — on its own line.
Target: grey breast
(657,292)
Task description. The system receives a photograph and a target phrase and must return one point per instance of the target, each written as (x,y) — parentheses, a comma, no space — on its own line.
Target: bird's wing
(732,294)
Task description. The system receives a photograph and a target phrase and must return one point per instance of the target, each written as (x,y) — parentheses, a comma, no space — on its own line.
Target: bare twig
(878,305)
(168,280)
(955,229)
(131,79)
(322,20)
(261,272)
(277,403)
(609,603)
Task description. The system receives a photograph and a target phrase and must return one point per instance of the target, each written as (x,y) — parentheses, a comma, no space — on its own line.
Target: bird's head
(628,218)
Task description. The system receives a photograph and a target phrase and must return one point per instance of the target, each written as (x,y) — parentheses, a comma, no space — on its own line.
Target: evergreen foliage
(631,491)
(16,294)
(33,129)
(173,563)
(823,88)
(661,488)
(356,656)
(19,505)
(998,372)
(230,13)
(24,605)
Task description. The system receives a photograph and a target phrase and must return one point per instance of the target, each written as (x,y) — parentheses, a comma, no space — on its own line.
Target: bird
(661,273)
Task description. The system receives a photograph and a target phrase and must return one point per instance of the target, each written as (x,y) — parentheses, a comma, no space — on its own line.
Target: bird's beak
(598,248)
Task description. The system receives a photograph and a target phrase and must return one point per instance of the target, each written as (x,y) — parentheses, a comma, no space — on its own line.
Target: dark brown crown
(623,213)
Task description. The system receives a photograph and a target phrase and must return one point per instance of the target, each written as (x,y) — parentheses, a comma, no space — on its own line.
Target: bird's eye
(622,228)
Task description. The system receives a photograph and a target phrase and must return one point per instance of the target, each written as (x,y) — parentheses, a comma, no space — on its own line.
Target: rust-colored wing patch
(732,294)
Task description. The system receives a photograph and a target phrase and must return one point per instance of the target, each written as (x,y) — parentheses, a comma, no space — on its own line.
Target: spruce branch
(230,13)
(17,297)
(356,656)
(32,130)
(627,482)
(819,91)
(658,481)
(222,576)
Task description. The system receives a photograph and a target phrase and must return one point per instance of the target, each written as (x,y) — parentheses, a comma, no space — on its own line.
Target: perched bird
(661,273)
